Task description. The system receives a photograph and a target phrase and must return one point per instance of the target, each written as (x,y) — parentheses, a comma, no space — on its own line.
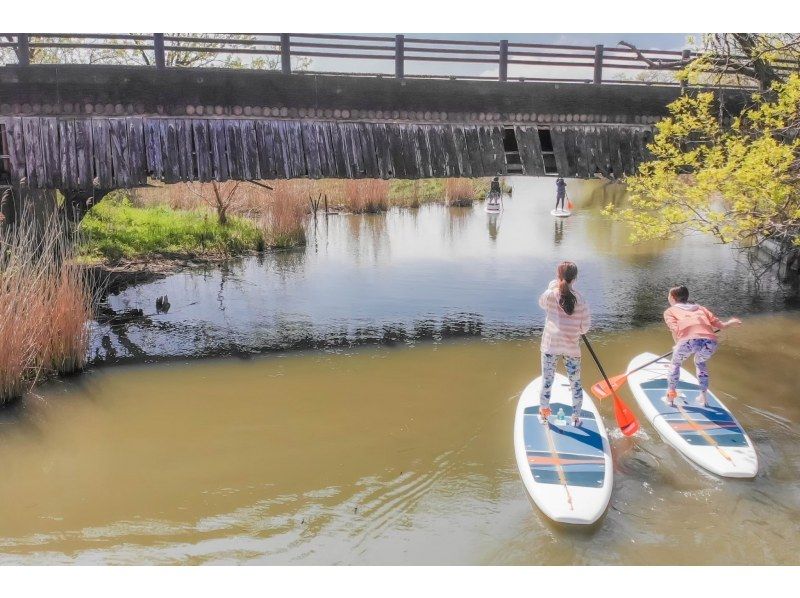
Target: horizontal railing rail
(657,67)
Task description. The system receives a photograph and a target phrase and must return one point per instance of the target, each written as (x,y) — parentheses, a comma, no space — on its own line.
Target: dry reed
(367,196)
(459,192)
(45,306)
(283,223)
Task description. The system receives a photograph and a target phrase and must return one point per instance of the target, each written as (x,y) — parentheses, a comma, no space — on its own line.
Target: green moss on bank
(115,229)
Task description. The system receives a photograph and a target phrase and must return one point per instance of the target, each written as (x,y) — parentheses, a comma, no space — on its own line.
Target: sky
(660,41)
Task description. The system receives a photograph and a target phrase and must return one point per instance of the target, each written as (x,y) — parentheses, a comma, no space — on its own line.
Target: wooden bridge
(79,127)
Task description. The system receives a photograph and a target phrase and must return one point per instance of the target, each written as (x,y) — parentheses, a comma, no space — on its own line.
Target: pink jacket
(689,320)
(562,331)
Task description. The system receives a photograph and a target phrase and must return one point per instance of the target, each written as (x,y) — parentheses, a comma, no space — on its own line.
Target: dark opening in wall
(545,140)
(5,158)
(511,149)
(548,157)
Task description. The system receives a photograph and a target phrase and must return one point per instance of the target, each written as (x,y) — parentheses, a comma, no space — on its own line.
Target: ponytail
(566,272)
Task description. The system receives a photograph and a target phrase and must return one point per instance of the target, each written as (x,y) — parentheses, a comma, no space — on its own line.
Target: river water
(367,416)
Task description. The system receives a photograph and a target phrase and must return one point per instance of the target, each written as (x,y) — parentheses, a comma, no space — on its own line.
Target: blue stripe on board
(714,416)
(662,383)
(689,392)
(590,479)
(581,440)
(556,406)
(722,439)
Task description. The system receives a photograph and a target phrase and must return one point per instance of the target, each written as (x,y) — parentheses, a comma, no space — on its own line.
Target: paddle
(625,419)
(569,204)
(602,388)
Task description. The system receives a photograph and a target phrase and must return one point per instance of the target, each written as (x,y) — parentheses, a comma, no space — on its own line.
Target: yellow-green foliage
(737,182)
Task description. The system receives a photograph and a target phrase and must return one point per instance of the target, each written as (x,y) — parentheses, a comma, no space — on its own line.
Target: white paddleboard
(709,436)
(561,213)
(493,209)
(566,470)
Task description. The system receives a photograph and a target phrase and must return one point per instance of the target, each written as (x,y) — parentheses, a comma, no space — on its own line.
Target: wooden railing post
(286,54)
(23,49)
(158,50)
(503,70)
(598,64)
(399,53)
(685,55)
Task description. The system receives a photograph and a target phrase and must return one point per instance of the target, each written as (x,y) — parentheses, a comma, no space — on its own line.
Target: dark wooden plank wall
(70,153)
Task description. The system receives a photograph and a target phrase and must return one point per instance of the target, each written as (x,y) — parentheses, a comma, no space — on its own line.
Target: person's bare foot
(670,398)
(544,413)
(702,398)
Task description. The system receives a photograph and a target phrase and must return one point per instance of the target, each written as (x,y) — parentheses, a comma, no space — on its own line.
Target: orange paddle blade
(601,389)
(569,204)
(625,418)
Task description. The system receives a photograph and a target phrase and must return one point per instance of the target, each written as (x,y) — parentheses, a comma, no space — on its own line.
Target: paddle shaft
(597,361)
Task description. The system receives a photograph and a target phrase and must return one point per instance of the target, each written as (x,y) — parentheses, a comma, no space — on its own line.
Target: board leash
(562,478)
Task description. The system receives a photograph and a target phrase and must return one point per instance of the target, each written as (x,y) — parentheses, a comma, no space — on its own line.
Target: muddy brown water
(401,452)
(380,455)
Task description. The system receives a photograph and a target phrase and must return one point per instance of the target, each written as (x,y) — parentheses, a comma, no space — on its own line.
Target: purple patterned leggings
(703,349)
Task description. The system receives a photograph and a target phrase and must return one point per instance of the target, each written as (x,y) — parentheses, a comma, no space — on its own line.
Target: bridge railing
(276,51)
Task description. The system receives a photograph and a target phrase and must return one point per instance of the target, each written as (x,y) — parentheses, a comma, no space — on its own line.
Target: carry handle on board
(605,387)
(625,418)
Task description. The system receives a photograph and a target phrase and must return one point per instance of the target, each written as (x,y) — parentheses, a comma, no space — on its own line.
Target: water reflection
(558,232)
(428,274)
(493,225)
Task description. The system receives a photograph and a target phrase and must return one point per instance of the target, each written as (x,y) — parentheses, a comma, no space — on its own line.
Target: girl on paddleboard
(694,330)
(561,192)
(567,317)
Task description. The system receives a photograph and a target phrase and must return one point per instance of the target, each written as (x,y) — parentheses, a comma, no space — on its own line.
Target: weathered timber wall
(81,153)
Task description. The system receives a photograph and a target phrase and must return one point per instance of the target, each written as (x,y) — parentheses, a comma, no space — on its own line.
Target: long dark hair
(566,272)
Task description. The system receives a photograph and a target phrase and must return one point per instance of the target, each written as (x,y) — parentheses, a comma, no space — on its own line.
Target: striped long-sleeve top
(562,331)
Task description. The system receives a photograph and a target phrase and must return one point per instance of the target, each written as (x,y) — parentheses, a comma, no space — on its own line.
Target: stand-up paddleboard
(561,213)
(493,208)
(566,470)
(709,436)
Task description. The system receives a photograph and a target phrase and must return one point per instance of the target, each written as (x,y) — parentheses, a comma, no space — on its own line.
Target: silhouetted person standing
(495,192)
(561,192)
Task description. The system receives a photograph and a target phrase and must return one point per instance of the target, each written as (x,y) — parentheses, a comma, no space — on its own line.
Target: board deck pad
(713,420)
(709,436)
(578,450)
(567,470)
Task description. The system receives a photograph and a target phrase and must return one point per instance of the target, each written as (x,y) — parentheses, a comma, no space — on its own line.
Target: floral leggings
(703,349)
(573,365)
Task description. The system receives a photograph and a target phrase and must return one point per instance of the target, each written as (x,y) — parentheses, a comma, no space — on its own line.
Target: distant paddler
(495,192)
(561,192)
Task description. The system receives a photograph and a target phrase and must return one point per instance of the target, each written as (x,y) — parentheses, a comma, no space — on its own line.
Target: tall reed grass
(459,192)
(367,196)
(45,307)
(283,224)
(360,195)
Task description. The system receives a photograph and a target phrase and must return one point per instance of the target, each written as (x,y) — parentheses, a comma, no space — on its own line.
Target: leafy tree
(734,59)
(738,182)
